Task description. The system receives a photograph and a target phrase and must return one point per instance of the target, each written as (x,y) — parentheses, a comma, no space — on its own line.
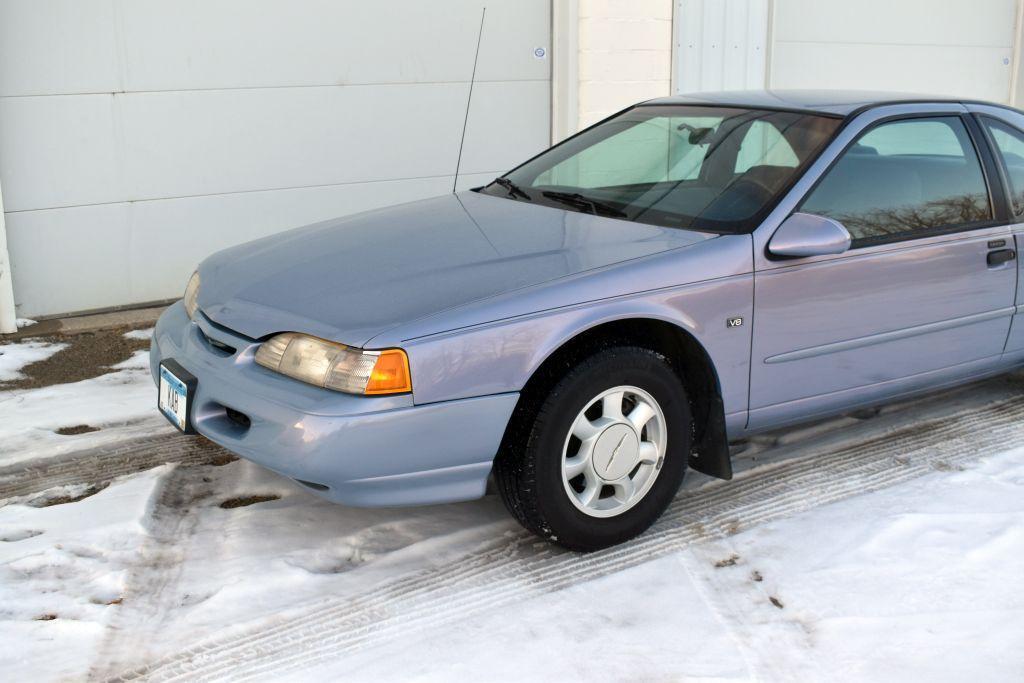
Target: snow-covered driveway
(880,547)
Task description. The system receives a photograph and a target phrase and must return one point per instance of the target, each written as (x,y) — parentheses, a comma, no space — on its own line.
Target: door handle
(1000,256)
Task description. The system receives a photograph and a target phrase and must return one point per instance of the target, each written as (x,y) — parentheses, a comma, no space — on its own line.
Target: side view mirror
(805,234)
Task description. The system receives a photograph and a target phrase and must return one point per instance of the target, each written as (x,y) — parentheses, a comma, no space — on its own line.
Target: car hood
(352,278)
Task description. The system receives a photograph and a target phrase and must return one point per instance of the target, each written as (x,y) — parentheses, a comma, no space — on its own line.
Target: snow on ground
(140,334)
(246,562)
(119,403)
(15,356)
(62,569)
(830,566)
(919,582)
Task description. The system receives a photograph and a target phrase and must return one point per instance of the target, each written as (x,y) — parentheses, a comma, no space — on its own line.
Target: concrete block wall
(625,54)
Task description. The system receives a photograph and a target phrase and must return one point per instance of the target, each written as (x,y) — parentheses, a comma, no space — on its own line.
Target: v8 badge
(734,322)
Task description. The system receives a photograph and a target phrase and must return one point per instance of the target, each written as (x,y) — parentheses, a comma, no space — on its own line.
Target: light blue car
(688,272)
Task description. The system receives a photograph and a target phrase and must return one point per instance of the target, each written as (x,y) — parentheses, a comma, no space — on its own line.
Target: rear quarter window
(1009,144)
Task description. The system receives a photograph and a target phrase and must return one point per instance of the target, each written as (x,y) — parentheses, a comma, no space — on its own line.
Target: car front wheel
(604,452)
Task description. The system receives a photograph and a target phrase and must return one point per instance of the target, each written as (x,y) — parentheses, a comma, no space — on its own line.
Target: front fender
(501,356)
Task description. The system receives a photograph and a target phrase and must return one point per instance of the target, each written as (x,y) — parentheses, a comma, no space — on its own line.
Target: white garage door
(947,47)
(138,137)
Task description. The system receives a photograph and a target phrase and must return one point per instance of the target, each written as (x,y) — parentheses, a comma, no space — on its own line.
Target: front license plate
(175,394)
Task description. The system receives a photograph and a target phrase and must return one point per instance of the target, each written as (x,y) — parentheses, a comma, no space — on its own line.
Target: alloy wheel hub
(614,451)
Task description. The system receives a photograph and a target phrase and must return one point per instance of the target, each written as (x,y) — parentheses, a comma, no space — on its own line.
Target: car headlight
(336,366)
(191,295)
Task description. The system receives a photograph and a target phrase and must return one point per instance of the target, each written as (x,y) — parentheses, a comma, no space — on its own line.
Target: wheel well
(709,453)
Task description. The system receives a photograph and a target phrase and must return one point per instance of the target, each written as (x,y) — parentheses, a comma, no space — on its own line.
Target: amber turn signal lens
(390,374)
(335,366)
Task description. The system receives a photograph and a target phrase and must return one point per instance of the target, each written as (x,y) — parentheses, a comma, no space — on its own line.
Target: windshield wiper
(582,202)
(513,189)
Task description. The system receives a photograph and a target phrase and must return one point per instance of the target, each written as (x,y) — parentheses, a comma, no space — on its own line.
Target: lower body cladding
(355,450)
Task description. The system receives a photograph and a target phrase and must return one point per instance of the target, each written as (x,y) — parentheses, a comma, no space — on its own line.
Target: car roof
(835,102)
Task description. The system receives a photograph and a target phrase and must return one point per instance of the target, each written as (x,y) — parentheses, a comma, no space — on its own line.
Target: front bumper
(363,451)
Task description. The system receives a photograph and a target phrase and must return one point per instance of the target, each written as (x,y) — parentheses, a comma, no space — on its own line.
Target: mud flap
(710,453)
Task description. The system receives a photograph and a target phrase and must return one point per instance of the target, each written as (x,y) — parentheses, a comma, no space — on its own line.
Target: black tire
(528,470)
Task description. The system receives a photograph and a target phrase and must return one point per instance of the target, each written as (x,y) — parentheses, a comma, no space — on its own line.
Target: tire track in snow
(105,463)
(738,604)
(155,569)
(519,566)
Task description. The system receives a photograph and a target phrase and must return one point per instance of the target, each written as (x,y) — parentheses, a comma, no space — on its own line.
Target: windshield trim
(737,105)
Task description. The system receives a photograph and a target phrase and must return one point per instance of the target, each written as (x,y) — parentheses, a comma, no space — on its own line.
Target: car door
(1005,128)
(914,302)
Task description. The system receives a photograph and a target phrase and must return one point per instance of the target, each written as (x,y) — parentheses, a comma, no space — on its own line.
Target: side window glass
(903,179)
(1010,144)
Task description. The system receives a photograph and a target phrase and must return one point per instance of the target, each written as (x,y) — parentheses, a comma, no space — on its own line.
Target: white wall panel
(60,150)
(194,44)
(157,145)
(720,44)
(946,47)
(72,46)
(132,127)
(513,30)
(974,72)
(70,259)
(503,121)
(58,46)
(898,22)
(91,149)
(206,142)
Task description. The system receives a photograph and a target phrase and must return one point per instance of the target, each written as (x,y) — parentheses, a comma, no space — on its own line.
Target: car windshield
(685,166)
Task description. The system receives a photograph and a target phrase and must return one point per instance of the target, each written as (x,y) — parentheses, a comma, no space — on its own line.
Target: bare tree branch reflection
(938,213)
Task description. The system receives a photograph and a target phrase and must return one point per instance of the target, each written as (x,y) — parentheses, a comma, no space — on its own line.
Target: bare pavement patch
(101,465)
(81,357)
